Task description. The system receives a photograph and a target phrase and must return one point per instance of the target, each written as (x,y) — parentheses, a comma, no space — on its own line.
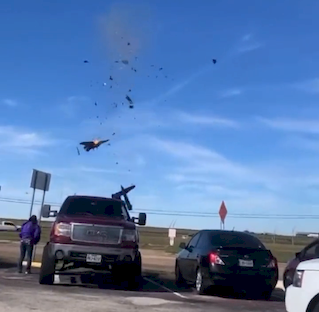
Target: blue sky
(244,130)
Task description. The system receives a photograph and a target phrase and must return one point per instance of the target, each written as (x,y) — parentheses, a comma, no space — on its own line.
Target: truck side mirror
(45,211)
(142,218)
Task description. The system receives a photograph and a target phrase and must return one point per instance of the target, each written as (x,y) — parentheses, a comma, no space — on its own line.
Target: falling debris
(104,83)
(78,150)
(128,43)
(129,90)
(113,133)
(111,78)
(131,106)
(85,61)
(161,68)
(117,163)
(214,61)
(125,62)
(95,104)
(129,100)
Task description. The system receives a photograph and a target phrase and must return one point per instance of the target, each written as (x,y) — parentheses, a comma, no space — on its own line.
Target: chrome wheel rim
(199,281)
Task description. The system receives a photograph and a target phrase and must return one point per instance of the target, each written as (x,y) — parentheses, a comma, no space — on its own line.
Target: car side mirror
(142,218)
(190,248)
(182,245)
(46,212)
(298,254)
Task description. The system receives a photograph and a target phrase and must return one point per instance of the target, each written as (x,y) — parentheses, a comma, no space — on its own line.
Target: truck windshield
(94,206)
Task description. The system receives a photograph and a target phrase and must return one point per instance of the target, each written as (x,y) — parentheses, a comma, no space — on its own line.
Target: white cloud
(247,44)
(10,102)
(207,120)
(310,86)
(72,105)
(292,125)
(231,92)
(247,37)
(250,47)
(15,139)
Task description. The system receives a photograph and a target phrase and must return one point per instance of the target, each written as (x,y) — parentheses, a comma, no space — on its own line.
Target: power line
(185,213)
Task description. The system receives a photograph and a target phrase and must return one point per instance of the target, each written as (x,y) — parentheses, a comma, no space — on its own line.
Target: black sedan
(227,258)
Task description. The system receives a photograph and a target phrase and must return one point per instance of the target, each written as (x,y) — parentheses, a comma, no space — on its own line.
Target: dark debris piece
(113,133)
(111,78)
(161,68)
(128,43)
(131,106)
(129,90)
(214,61)
(125,62)
(95,104)
(129,99)
(78,150)
(85,61)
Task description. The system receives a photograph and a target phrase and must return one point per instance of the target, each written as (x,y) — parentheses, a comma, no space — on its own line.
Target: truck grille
(96,234)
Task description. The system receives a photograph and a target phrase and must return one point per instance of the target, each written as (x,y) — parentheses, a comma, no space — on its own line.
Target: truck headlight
(297,281)
(129,236)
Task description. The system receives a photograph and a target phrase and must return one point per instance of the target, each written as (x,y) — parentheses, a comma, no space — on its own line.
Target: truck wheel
(47,270)
(135,274)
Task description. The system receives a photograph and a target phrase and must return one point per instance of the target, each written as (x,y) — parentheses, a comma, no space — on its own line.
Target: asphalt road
(19,292)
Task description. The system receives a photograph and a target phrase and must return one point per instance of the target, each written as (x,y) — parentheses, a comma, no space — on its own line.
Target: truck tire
(134,280)
(129,275)
(47,270)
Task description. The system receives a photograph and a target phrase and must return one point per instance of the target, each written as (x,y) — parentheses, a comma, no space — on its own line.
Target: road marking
(167,289)
(56,279)
(34,264)
(280,285)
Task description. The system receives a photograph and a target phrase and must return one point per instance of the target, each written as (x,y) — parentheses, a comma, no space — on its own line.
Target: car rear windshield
(93,206)
(236,240)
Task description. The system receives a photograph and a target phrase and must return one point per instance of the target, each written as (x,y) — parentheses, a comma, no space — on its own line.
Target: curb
(34,264)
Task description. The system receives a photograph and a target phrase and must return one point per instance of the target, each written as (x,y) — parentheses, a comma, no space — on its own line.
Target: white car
(8,226)
(303,294)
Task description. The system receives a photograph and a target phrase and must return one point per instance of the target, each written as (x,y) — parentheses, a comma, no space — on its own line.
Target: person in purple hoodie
(30,235)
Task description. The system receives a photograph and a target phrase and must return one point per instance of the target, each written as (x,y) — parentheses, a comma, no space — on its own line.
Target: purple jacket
(30,231)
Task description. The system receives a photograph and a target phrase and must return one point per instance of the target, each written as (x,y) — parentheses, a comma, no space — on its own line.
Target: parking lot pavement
(23,292)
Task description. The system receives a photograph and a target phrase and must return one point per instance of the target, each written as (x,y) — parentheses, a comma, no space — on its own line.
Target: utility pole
(293,236)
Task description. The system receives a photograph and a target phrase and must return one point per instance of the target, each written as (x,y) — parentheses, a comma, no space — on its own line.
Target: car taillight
(215,259)
(62,229)
(297,281)
(129,236)
(272,263)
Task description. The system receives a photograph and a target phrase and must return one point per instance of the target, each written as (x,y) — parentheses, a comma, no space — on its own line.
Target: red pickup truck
(94,234)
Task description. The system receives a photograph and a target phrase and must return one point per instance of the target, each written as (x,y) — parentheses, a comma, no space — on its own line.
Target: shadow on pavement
(4,264)
(278,295)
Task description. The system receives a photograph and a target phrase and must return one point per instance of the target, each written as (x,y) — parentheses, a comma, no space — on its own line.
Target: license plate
(93,258)
(246,263)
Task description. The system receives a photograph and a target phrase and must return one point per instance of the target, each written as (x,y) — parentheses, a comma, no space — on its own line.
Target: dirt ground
(156,260)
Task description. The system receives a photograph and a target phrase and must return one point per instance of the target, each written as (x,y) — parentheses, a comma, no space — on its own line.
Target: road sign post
(171,235)
(222,214)
(39,181)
